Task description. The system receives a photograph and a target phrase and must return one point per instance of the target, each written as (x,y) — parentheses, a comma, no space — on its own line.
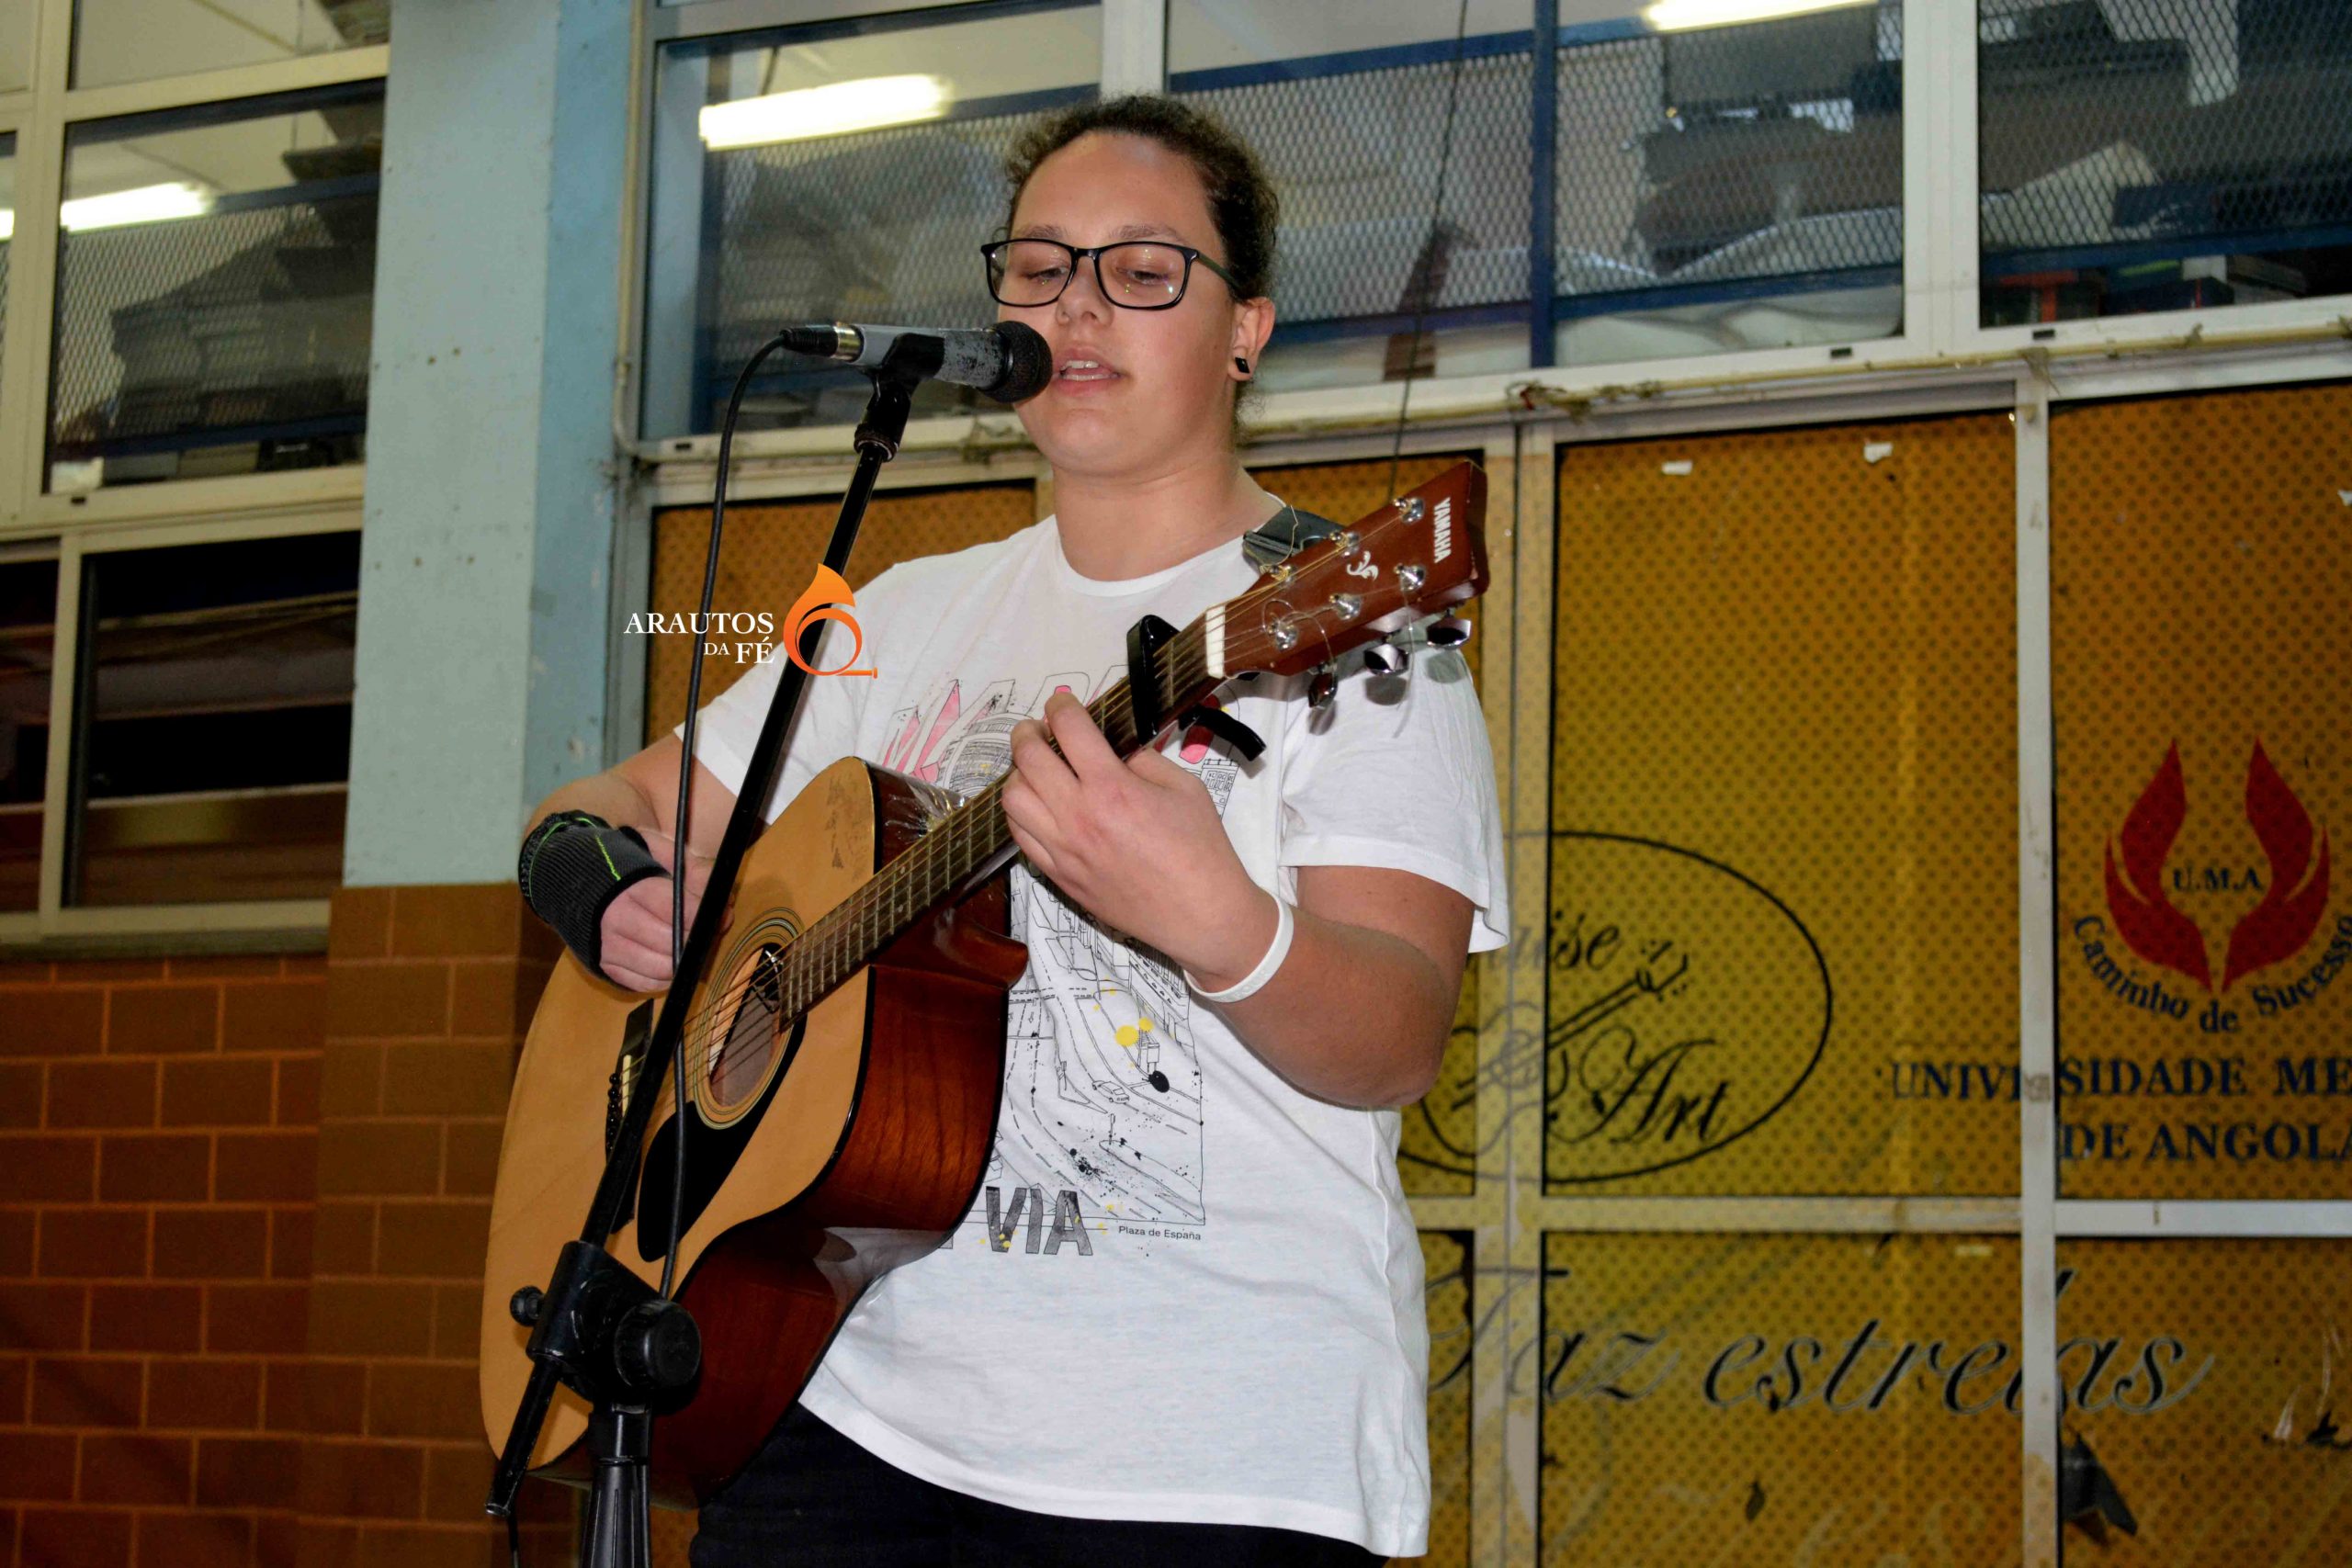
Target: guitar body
(818,1157)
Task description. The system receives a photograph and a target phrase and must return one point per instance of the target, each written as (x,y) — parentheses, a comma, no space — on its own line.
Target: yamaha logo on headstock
(1444,527)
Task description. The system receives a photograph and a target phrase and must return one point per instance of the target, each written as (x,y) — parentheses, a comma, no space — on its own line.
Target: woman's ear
(1253,323)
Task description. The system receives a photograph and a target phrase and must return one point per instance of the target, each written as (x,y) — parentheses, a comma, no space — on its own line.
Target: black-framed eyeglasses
(1136,275)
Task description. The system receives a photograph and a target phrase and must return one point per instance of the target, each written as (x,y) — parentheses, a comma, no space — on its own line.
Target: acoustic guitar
(845,1050)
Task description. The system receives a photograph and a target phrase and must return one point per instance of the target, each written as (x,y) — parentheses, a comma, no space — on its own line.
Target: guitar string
(914,873)
(851,925)
(978,819)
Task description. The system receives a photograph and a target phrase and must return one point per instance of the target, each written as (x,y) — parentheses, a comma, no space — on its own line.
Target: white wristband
(1278,950)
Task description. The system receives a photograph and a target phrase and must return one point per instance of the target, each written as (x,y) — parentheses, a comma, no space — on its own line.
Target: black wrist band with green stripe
(572,866)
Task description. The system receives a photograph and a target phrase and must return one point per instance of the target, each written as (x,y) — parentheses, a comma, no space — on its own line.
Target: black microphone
(1008,361)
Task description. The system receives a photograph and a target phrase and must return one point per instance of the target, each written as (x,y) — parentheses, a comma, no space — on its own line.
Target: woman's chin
(1088,439)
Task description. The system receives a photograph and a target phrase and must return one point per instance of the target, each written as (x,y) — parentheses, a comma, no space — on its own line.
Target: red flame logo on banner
(2278,926)
(2274,929)
(2150,925)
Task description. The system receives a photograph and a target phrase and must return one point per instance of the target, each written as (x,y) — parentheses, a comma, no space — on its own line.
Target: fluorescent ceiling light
(1672,16)
(823,111)
(144,204)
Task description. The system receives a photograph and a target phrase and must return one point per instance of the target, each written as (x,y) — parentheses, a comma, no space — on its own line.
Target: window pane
(132,41)
(1793,1399)
(215,736)
(1730,187)
(215,282)
(2197,1383)
(1713,189)
(28,642)
(2200,572)
(1345,103)
(766,210)
(2140,157)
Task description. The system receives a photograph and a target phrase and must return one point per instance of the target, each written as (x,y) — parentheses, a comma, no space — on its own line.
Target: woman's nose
(1082,278)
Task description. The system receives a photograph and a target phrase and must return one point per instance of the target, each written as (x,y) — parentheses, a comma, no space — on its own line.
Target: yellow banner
(1782,903)
(2201,629)
(1825,1401)
(2204,1383)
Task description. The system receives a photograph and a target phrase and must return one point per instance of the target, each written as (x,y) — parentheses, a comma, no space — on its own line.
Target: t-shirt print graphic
(1104,1091)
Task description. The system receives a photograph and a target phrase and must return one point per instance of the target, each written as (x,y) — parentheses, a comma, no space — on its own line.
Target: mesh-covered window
(848,172)
(215,284)
(136,40)
(1703,190)
(2199,567)
(1729,188)
(213,737)
(2141,155)
(1783,943)
(1347,105)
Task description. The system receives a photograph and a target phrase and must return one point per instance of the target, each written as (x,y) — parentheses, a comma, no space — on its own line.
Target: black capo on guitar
(1144,639)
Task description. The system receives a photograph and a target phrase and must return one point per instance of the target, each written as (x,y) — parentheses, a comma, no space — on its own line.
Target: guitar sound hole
(745,1055)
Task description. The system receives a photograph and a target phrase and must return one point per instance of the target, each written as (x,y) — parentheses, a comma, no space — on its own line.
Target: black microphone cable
(686,795)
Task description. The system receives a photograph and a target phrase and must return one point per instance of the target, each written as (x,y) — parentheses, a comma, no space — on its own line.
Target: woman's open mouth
(1084,371)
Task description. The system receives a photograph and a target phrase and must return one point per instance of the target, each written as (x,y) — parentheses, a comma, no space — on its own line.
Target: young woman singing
(1183,1320)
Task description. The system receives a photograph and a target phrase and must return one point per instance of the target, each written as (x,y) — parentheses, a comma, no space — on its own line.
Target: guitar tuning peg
(1319,689)
(1386,659)
(1449,631)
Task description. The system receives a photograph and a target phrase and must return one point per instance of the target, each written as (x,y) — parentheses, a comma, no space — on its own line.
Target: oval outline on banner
(1813,1060)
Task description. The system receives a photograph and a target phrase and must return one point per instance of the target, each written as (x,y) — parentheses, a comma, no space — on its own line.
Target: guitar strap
(1283,536)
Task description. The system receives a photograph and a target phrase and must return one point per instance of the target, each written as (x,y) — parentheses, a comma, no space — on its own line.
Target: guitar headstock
(1413,558)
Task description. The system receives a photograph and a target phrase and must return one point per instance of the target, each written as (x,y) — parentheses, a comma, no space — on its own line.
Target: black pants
(814,1497)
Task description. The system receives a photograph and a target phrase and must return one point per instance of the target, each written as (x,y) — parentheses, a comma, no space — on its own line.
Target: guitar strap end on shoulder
(1283,536)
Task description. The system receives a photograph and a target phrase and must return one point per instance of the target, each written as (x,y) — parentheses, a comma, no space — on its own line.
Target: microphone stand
(597,1327)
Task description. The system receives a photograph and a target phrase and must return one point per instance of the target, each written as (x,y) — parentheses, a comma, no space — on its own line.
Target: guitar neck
(968,842)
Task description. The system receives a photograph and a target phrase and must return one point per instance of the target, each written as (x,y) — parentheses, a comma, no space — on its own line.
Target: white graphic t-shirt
(1185,1291)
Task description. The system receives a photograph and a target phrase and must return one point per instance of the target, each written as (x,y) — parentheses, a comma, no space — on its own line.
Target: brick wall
(430,990)
(158,1134)
(242,1204)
